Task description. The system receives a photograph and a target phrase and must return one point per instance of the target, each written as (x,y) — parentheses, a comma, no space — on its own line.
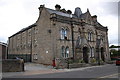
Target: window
(67,52)
(35,57)
(35,42)
(29,32)
(92,52)
(62,51)
(36,30)
(90,36)
(63,33)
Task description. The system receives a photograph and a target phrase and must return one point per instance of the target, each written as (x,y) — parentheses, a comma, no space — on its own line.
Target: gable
(87,17)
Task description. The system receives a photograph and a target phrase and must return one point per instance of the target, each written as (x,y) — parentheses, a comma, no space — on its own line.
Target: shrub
(81,61)
(93,60)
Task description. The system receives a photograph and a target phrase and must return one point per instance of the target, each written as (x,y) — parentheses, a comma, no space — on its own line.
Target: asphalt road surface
(95,73)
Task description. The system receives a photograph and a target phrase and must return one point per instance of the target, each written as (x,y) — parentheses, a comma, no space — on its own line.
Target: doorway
(102,54)
(85,54)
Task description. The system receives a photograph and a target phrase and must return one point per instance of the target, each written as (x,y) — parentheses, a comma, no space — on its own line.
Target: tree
(114,53)
(113,46)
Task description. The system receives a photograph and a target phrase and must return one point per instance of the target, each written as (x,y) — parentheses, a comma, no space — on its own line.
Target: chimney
(63,10)
(57,7)
(41,7)
(94,18)
(69,11)
(78,12)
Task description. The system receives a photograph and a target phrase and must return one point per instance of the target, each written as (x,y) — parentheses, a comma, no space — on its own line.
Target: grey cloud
(110,8)
(2,39)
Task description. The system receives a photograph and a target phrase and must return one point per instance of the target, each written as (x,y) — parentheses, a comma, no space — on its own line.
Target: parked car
(118,62)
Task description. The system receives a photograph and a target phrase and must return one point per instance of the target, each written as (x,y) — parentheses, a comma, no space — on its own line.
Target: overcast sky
(18,14)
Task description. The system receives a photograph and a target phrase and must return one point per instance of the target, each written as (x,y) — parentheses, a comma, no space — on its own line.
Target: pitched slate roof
(22,30)
(60,13)
(51,11)
(83,16)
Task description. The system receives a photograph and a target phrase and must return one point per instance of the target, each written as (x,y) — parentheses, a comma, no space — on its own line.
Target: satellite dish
(78,12)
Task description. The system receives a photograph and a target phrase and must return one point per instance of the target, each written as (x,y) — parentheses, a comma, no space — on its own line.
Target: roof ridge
(23,29)
(60,13)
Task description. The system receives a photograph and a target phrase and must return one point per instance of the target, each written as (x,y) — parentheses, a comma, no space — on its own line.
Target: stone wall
(12,65)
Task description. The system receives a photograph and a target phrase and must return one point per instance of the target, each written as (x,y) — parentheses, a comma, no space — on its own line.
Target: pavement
(34,68)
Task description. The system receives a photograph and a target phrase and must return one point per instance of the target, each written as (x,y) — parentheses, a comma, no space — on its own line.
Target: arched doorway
(102,54)
(85,54)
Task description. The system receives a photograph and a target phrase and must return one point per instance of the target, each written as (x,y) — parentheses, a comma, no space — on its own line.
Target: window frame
(62,51)
(63,33)
(67,52)
(90,36)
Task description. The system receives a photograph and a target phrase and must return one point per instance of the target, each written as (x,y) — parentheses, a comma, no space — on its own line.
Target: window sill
(64,39)
(35,59)
(90,41)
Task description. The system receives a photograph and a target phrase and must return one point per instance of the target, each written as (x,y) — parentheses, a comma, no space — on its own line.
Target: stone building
(3,50)
(58,35)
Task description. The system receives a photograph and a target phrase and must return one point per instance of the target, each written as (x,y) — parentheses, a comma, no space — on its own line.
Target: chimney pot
(41,7)
(69,11)
(57,7)
(63,10)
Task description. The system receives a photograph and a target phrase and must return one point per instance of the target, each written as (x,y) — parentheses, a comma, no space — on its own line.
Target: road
(93,73)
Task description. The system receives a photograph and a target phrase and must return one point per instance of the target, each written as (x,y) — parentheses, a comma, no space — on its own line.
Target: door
(102,54)
(85,54)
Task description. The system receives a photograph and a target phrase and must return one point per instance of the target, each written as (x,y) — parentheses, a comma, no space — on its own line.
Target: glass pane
(67,52)
(62,51)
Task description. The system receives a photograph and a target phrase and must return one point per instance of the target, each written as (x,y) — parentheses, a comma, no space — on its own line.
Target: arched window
(62,33)
(65,33)
(92,52)
(63,51)
(90,36)
(67,52)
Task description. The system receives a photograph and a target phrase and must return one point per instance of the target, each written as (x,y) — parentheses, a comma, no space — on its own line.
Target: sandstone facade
(59,35)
